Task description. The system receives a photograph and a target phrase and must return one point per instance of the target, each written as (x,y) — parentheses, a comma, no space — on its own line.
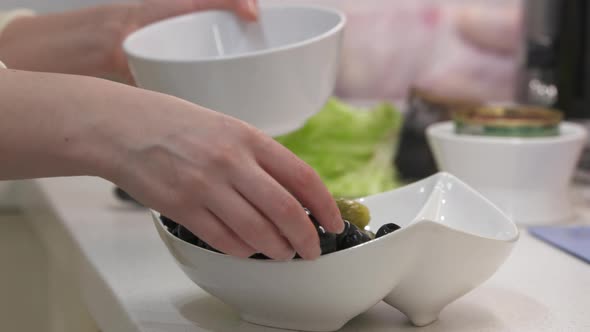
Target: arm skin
(233,186)
(230,184)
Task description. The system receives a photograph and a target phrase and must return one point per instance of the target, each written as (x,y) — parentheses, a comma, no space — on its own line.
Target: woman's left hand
(88,41)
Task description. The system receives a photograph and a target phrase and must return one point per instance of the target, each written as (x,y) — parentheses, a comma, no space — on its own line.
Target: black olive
(341,236)
(169,223)
(174,231)
(386,229)
(259,256)
(347,227)
(328,242)
(312,217)
(351,236)
(184,234)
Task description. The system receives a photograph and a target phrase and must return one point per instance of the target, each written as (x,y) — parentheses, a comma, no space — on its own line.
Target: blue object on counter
(574,240)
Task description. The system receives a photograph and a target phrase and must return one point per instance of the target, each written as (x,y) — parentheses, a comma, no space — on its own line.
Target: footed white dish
(452,239)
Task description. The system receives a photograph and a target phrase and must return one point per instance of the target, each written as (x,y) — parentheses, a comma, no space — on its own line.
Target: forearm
(50,125)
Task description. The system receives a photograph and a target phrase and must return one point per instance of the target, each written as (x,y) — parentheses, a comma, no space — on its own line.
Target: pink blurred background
(462,48)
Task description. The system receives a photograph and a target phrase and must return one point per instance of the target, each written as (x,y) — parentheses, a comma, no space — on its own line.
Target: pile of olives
(355,216)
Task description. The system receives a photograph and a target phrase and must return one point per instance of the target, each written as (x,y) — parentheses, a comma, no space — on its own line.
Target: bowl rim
(159,224)
(515,232)
(333,255)
(444,131)
(131,52)
(437,177)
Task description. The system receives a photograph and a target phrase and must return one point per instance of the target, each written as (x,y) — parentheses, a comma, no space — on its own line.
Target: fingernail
(252,7)
(312,253)
(317,251)
(337,224)
(285,251)
(287,256)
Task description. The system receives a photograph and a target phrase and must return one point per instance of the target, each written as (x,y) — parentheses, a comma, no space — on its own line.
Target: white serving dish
(452,239)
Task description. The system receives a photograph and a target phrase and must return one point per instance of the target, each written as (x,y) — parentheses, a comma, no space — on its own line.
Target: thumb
(495,30)
(156,10)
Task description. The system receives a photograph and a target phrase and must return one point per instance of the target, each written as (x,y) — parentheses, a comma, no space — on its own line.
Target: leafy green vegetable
(352,149)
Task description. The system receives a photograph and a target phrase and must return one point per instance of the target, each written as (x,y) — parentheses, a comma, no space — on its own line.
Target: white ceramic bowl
(528,178)
(273,74)
(452,239)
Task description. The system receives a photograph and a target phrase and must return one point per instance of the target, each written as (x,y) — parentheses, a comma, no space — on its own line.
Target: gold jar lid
(513,121)
(424,99)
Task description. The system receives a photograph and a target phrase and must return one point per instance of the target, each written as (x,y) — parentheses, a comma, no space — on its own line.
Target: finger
(494,30)
(246,9)
(156,10)
(302,181)
(279,206)
(251,226)
(209,228)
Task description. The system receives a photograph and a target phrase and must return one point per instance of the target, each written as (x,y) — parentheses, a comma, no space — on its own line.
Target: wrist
(98,145)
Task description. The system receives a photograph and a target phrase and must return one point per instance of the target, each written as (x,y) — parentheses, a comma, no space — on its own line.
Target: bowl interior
(219,34)
(443,199)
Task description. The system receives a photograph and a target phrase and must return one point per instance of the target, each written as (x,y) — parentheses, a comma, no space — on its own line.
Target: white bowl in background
(273,74)
(528,178)
(452,239)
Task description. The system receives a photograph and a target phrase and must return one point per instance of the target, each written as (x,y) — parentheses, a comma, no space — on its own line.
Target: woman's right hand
(88,41)
(233,186)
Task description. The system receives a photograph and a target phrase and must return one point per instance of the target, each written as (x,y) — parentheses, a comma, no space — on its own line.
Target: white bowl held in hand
(273,73)
(452,239)
(528,178)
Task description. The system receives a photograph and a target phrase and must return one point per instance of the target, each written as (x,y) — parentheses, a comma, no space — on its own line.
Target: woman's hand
(234,187)
(227,182)
(88,41)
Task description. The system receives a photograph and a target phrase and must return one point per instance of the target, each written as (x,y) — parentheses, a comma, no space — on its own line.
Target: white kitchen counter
(130,282)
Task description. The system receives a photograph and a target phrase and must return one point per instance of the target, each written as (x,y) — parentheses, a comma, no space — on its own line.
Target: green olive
(370,234)
(354,212)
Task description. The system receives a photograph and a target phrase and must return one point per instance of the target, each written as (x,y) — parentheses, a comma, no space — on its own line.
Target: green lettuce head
(352,149)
